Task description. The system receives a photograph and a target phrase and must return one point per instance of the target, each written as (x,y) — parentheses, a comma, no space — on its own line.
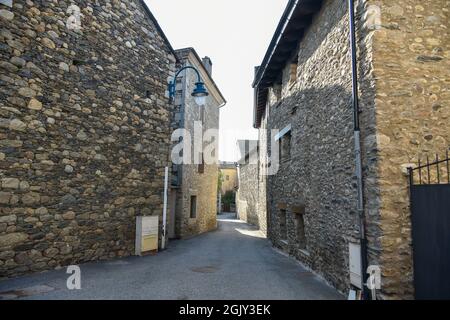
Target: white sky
(235,35)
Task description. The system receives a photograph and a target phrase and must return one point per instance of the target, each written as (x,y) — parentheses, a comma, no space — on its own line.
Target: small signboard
(147,235)
(355,264)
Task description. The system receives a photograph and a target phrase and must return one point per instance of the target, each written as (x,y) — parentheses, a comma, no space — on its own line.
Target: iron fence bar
(448,169)
(437,169)
(428,166)
(431,164)
(411,178)
(420,173)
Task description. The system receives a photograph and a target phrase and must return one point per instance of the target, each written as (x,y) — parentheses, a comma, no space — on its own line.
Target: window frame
(279,138)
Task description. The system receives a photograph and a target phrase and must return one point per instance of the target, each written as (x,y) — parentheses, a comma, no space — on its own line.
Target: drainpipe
(358,160)
(164,226)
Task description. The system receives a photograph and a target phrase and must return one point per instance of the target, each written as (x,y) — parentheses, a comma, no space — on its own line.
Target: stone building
(85,130)
(229,176)
(250,197)
(193,198)
(304,89)
(229,184)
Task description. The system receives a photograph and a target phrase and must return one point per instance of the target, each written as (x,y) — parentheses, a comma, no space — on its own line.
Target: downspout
(166,190)
(358,159)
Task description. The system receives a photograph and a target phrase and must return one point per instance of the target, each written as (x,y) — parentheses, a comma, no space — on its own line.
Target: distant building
(229,177)
(229,185)
(193,196)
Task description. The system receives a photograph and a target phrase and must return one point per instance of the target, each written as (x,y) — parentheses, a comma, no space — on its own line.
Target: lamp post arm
(188,67)
(172,83)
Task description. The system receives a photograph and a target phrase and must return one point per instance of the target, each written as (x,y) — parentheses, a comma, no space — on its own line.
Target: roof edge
(158,27)
(275,39)
(194,52)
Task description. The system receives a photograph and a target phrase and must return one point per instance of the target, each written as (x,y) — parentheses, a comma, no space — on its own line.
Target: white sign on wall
(355,264)
(146,234)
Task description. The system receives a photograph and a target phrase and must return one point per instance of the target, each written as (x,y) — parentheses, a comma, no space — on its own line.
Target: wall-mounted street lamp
(200,93)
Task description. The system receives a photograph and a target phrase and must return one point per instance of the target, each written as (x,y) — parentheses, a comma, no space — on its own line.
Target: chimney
(207,63)
(256,72)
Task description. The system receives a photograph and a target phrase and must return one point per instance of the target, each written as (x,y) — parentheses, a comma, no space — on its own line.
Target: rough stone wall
(84,133)
(411,61)
(263,176)
(248,196)
(403,52)
(366,23)
(319,174)
(201,185)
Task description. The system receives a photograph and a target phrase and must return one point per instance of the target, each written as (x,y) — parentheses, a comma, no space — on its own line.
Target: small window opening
(293,73)
(201,166)
(285,146)
(193,213)
(283,225)
(300,229)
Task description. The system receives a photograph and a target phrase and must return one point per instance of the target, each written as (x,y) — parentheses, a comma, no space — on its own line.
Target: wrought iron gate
(430,207)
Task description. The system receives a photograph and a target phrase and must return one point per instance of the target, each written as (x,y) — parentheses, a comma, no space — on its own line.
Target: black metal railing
(431,173)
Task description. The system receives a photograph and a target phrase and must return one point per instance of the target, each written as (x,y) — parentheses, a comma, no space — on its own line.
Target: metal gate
(430,206)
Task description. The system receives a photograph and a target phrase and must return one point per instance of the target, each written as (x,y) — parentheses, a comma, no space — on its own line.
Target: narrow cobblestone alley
(234,262)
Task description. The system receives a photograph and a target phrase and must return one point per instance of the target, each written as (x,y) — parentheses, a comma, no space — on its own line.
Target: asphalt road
(233,263)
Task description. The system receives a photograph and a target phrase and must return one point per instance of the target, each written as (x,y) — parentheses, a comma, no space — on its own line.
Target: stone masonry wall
(319,176)
(411,61)
(84,135)
(263,176)
(403,51)
(248,196)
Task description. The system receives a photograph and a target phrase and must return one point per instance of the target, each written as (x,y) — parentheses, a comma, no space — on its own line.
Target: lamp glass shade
(200,100)
(200,92)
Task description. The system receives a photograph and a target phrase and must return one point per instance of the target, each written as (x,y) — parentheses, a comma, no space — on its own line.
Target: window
(277,92)
(201,166)
(283,226)
(193,213)
(285,147)
(298,211)
(293,73)
(284,143)
(300,229)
